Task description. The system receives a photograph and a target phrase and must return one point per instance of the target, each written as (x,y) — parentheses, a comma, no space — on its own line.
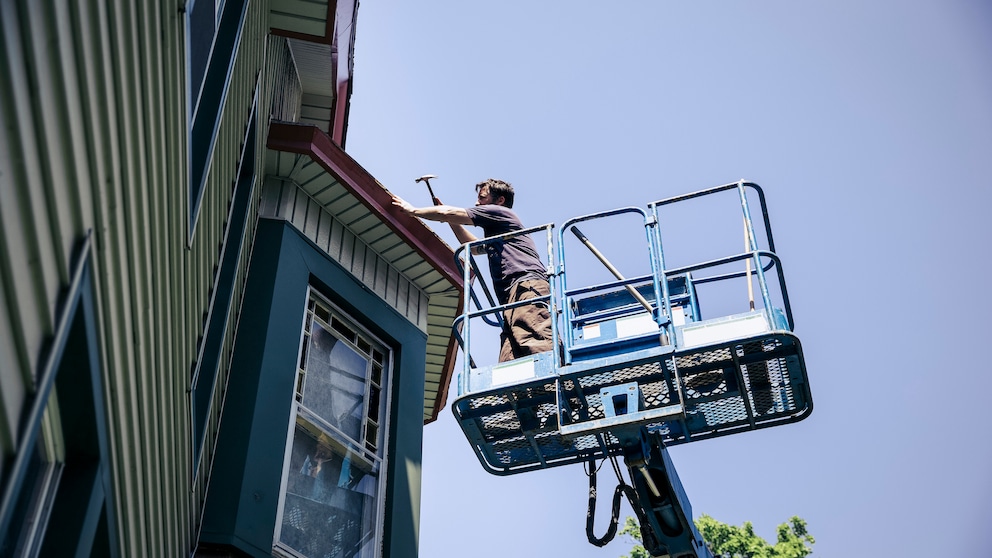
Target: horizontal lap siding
(93,106)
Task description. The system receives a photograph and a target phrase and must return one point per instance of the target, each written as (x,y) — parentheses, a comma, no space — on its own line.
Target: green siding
(94,137)
(93,106)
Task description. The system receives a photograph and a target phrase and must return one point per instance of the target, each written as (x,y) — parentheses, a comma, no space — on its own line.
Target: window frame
(380,457)
(203,380)
(42,480)
(204,114)
(73,432)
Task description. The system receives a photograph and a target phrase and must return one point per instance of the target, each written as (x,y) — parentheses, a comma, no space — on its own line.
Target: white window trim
(278,548)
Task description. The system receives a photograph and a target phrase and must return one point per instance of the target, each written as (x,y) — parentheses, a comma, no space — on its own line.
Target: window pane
(202,25)
(343,329)
(303,351)
(335,384)
(374,403)
(377,373)
(330,500)
(330,505)
(33,503)
(322,313)
(364,346)
(371,436)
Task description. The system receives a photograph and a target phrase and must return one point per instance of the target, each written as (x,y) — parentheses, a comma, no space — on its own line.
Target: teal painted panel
(245,481)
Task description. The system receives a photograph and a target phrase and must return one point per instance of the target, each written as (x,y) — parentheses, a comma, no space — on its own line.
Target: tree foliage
(729,541)
(633,530)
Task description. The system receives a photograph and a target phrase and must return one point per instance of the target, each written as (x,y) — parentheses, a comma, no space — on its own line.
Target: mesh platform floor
(734,387)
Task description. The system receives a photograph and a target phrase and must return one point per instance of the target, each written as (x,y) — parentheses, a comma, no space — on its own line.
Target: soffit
(306,156)
(313,62)
(321,38)
(310,18)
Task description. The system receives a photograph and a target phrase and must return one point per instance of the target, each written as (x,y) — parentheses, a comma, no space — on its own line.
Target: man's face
(484,198)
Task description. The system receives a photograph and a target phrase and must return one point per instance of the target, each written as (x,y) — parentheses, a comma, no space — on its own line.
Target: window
(213,29)
(205,369)
(38,488)
(332,497)
(57,494)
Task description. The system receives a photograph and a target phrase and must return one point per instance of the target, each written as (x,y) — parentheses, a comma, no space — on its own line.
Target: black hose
(648,538)
(611,532)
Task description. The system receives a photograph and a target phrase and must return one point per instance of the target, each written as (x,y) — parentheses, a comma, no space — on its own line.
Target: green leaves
(792,539)
(633,530)
(729,541)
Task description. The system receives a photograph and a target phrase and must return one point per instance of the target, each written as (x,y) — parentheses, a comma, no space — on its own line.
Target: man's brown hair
(498,188)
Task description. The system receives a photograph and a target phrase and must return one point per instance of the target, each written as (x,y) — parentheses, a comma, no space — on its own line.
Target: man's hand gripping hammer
(427,180)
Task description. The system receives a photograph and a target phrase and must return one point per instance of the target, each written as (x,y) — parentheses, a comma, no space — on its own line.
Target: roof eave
(309,140)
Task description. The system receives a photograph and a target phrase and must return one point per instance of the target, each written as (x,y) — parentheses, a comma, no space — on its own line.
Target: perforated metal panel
(727,388)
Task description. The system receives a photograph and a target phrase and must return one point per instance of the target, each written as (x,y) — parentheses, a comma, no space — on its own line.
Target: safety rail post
(465,260)
(659,280)
(466,310)
(753,248)
(553,301)
(740,186)
(568,315)
(485,289)
(658,263)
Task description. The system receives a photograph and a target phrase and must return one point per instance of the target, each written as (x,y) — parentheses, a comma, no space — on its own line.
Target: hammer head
(425,177)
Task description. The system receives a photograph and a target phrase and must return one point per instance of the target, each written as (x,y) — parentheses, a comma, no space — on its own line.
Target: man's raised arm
(455,217)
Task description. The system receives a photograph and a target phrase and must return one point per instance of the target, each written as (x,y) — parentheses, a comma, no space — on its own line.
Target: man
(517,270)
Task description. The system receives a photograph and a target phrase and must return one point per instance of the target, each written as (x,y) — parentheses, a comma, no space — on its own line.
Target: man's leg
(505,344)
(529,326)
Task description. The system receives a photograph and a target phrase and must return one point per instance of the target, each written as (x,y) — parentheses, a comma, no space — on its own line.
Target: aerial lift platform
(640,367)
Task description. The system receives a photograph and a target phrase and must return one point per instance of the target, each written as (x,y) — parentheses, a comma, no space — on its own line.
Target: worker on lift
(517,271)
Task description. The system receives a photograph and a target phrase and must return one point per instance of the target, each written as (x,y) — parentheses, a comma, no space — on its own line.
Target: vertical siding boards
(21,264)
(136,177)
(12,388)
(93,107)
(153,75)
(16,360)
(126,363)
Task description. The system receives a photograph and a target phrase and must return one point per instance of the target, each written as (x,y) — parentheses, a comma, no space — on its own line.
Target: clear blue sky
(869,125)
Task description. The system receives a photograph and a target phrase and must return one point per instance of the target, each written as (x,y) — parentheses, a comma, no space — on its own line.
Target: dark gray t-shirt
(513,260)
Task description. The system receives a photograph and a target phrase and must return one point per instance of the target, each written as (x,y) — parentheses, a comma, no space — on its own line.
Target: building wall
(110,253)
(94,116)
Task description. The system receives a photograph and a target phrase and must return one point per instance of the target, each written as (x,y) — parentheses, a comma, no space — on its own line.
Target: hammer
(427,180)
